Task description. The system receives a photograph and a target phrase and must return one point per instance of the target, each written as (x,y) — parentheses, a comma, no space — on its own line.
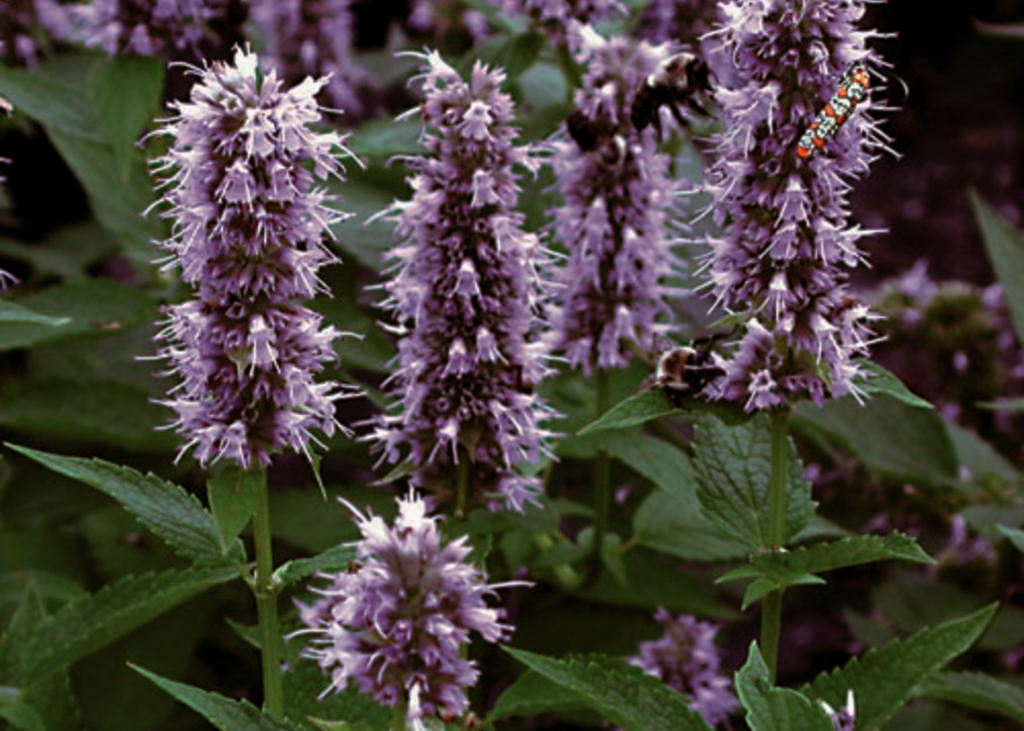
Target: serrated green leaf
(881,380)
(126,94)
(889,435)
(620,692)
(762,586)
(49,584)
(673,524)
(52,93)
(85,625)
(15,642)
(732,467)
(775,709)
(637,409)
(174,515)
(95,411)
(233,496)
(778,570)
(304,686)
(333,559)
(979,458)
(14,314)
(884,678)
(532,694)
(1005,247)
(225,714)
(91,307)
(975,690)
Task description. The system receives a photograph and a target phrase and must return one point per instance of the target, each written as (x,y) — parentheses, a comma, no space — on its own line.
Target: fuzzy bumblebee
(853,89)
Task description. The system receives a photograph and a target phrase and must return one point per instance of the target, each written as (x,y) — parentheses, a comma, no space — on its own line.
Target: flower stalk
(266,603)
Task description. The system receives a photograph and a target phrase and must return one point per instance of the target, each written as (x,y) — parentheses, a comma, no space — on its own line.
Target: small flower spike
(396,623)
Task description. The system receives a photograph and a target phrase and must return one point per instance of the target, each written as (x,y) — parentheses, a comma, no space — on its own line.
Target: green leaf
(91,307)
(14,314)
(975,690)
(902,441)
(333,559)
(15,642)
(515,55)
(1015,536)
(52,93)
(979,458)
(95,411)
(50,585)
(777,570)
(673,524)
(881,380)
(172,514)
(304,685)
(620,692)
(884,678)
(775,709)
(225,714)
(83,626)
(21,715)
(233,496)
(126,92)
(532,694)
(732,466)
(637,409)
(1005,247)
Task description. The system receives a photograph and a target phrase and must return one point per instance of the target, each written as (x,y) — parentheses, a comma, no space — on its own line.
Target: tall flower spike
(464,294)
(395,625)
(686,659)
(788,247)
(313,38)
(248,234)
(617,195)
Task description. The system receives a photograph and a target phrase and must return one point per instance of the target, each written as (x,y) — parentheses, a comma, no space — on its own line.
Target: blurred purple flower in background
(314,38)
(617,197)
(555,16)
(788,247)
(248,230)
(464,294)
(395,625)
(145,27)
(27,28)
(686,659)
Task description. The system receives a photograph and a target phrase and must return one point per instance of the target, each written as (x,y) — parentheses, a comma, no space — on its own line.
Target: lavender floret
(248,234)
(686,659)
(464,294)
(394,626)
(613,222)
(788,246)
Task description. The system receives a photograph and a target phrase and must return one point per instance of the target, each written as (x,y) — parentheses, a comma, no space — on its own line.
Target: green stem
(771,609)
(266,605)
(398,721)
(462,485)
(602,479)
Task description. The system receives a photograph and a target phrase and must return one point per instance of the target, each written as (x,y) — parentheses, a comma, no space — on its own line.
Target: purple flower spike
(313,38)
(617,196)
(686,659)
(464,295)
(395,624)
(788,247)
(248,229)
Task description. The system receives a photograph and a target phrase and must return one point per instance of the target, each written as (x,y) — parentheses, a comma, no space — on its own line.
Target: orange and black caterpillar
(853,88)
